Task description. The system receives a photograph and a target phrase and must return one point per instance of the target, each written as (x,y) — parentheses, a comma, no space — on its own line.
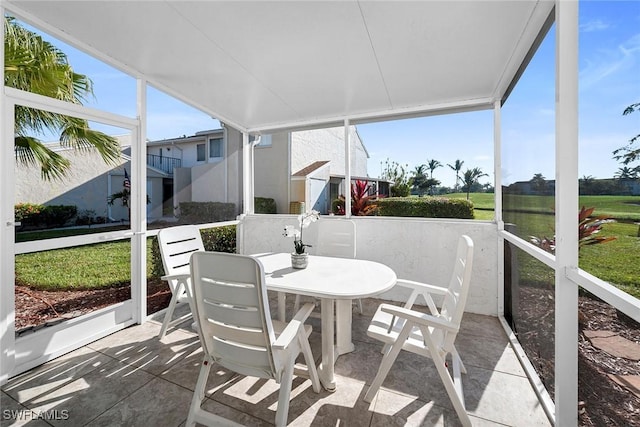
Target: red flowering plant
(588,227)
(362,204)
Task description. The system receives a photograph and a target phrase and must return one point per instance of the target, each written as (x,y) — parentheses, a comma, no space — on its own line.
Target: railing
(164,163)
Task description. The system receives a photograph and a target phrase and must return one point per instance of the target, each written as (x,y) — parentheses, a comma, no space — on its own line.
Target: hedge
(426,207)
(203,212)
(264,205)
(218,239)
(32,215)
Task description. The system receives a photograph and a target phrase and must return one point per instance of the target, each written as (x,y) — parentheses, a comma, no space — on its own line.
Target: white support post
(497,193)
(497,163)
(7,232)
(347,169)
(138,206)
(566,206)
(247,175)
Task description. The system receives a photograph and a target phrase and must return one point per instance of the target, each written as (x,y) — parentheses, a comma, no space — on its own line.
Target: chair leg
(308,358)
(453,390)
(359,304)
(285,393)
(387,362)
(169,314)
(455,357)
(198,393)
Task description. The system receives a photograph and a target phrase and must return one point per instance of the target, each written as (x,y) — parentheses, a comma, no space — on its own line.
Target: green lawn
(623,208)
(102,265)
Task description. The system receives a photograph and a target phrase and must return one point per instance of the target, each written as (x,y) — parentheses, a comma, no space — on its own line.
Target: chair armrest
(182,277)
(418,318)
(293,327)
(424,287)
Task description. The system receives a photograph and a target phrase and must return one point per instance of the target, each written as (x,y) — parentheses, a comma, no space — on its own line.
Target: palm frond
(32,152)
(77,134)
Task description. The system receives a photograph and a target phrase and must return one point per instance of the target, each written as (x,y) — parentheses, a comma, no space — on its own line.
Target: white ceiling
(261,65)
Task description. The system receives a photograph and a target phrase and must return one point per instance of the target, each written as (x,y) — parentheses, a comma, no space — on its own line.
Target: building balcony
(163,163)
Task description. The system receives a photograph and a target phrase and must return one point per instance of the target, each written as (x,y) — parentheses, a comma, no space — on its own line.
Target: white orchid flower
(291,231)
(305,220)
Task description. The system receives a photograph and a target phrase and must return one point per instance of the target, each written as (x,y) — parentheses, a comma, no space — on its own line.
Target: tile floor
(131,378)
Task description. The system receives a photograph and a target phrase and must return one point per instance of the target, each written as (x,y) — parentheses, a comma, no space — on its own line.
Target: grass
(616,261)
(98,266)
(622,208)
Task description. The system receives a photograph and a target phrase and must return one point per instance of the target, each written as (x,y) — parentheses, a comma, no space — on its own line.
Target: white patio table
(338,280)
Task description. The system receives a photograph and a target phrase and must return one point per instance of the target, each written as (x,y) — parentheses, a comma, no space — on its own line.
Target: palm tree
(539,183)
(432,164)
(457,167)
(419,179)
(625,173)
(35,65)
(470,177)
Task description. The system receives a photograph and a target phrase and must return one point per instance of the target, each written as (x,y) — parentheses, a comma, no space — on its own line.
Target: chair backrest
(176,246)
(337,238)
(458,290)
(232,308)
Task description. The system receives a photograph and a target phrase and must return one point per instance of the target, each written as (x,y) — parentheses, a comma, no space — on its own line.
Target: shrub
(28,213)
(202,212)
(34,215)
(58,215)
(86,217)
(219,239)
(264,205)
(400,190)
(426,207)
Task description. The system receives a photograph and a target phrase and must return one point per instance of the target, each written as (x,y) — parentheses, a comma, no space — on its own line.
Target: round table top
(327,277)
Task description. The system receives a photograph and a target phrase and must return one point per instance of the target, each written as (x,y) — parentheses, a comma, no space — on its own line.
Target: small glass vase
(299,261)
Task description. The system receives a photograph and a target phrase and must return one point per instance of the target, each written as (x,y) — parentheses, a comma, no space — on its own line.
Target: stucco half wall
(416,249)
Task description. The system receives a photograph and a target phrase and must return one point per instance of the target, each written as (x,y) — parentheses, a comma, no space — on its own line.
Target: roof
(276,65)
(199,136)
(311,168)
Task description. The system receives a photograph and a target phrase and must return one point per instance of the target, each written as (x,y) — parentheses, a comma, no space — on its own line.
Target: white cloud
(483,158)
(595,25)
(608,62)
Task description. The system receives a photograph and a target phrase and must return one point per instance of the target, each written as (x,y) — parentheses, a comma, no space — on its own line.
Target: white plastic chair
(176,246)
(336,238)
(236,331)
(432,335)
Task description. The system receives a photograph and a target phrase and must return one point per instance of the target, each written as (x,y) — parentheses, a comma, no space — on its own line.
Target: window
(265,141)
(215,148)
(200,155)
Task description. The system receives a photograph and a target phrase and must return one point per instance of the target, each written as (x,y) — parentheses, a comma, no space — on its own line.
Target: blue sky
(609,81)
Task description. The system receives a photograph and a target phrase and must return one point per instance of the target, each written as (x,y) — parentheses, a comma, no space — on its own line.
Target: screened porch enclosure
(349,63)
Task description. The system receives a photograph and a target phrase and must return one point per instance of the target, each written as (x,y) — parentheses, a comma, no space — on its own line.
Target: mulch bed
(602,401)
(35,308)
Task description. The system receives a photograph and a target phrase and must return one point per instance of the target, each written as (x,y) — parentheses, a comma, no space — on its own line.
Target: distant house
(299,170)
(89,183)
(205,167)
(314,174)
(296,169)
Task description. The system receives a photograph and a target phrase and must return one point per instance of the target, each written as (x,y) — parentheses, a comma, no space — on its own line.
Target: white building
(305,167)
